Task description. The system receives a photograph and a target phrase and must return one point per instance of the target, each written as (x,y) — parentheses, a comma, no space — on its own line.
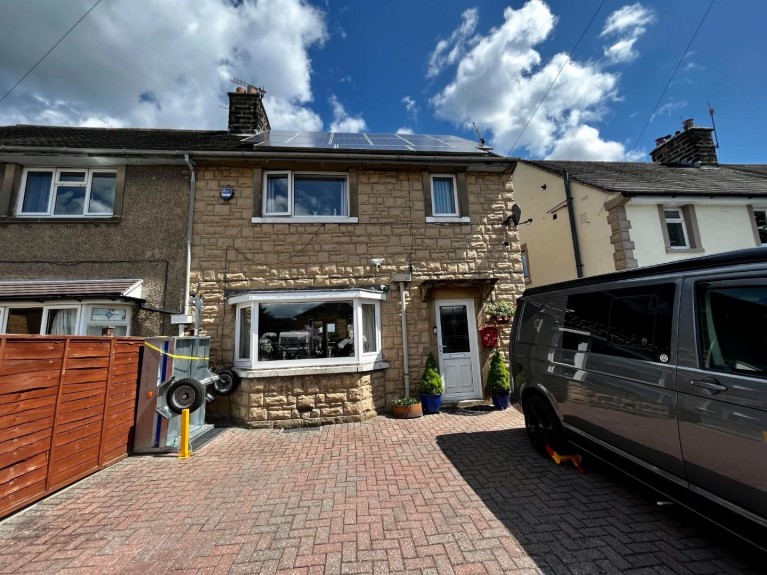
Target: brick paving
(445,494)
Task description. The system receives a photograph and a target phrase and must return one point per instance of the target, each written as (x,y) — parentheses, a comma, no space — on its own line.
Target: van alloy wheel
(541,425)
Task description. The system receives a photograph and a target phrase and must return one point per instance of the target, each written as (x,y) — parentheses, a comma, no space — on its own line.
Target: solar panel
(363,141)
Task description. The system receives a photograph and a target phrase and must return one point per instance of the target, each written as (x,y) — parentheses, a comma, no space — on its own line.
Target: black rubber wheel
(542,425)
(228,381)
(184,394)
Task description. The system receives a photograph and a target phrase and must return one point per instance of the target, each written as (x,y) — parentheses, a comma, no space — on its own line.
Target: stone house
(591,218)
(328,265)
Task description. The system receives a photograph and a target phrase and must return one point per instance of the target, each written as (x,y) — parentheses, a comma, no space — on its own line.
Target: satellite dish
(516,213)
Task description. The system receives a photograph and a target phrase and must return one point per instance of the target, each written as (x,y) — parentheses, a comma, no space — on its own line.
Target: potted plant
(431,386)
(498,381)
(406,407)
(500,311)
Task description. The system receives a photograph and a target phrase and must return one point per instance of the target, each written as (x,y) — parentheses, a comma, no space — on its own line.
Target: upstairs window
(444,196)
(304,195)
(760,222)
(676,227)
(680,228)
(67,193)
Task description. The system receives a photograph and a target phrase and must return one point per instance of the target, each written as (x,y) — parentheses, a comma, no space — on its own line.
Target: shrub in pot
(498,381)
(500,311)
(406,407)
(431,386)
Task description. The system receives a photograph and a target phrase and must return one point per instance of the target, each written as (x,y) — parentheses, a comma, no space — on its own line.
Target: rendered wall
(722,228)
(147,241)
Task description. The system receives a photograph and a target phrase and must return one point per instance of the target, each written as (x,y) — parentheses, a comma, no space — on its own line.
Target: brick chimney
(246,111)
(693,144)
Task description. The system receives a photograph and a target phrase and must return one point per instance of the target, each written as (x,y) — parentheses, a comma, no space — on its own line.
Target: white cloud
(626,25)
(668,108)
(447,52)
(405,130)
(343,122)
(501,80)
(182,53)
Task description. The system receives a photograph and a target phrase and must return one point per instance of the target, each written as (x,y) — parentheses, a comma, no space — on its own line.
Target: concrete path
(448,493)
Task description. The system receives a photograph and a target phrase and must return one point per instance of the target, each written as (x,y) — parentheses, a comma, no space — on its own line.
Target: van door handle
(709,384)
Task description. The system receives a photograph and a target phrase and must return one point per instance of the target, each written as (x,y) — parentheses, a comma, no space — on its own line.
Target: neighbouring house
(328,265)
(591,218)
(93,225)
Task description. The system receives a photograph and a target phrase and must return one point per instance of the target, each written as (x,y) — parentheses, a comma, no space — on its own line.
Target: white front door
(457,345)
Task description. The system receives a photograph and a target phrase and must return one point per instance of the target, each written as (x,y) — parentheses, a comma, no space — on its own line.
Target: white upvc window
(444,195)
(307,328)
(677,228)
(305,195)
(65,318)
(760,221)
(67,193)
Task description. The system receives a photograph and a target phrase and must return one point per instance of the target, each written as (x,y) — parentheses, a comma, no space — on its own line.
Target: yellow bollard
(183,450)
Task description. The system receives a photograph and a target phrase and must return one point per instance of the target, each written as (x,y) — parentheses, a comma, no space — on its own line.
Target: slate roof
(654,179)
(120,138)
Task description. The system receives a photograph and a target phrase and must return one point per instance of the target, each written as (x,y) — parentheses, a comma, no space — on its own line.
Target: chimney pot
(240,90)
(688,123)
(252,90)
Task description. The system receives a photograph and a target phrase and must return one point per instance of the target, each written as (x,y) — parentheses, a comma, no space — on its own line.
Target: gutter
(190,222)
(272,155)
(573,229)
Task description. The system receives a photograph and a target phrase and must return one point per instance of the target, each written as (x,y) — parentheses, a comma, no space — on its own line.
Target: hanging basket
(489,336)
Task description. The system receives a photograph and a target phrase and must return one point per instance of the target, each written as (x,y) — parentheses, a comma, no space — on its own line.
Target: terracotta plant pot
(407,411)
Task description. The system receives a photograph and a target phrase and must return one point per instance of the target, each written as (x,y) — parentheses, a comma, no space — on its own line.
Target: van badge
(664,358)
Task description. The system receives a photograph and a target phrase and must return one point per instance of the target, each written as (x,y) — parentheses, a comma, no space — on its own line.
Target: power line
(663,93)
(8,93)
(514,145)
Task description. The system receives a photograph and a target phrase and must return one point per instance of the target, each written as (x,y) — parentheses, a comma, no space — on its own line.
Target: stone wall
(230,252)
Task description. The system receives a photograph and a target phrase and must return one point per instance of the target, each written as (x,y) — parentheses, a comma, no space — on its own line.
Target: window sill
(303,220)
(312,370)
(448,220)
(684,250)
(78,220)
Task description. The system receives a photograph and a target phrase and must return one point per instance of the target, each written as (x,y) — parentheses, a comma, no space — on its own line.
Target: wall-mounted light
(377,263)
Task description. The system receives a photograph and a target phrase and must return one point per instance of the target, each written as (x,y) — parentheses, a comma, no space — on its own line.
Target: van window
(628,322)
(732,328)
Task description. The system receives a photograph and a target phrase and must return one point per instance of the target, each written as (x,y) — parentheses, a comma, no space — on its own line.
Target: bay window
(305,328)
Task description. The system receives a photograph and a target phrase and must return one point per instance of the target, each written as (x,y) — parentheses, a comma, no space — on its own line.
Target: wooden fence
(67,409)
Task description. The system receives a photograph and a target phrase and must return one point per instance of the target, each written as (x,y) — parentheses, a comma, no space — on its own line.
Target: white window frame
(83,314)
(357,297)
(274,217)
(47,310)
(762,209)
(55,183)
(457,212)
(677,220)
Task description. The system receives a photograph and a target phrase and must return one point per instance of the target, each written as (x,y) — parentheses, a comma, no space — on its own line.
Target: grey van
(664,366)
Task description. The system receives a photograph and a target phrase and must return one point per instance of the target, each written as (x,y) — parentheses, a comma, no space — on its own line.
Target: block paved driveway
(447,493)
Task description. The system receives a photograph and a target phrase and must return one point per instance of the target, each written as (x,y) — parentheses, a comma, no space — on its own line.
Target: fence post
(56,413)
(102,439)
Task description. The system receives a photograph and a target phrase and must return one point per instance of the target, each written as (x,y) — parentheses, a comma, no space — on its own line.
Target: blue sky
(428,66)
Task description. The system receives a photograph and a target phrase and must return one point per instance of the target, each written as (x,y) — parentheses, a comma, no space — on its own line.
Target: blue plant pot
(501,400)
(431,403)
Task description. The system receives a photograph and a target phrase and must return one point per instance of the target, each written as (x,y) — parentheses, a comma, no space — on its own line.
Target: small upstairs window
(444,196)
(67,193)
